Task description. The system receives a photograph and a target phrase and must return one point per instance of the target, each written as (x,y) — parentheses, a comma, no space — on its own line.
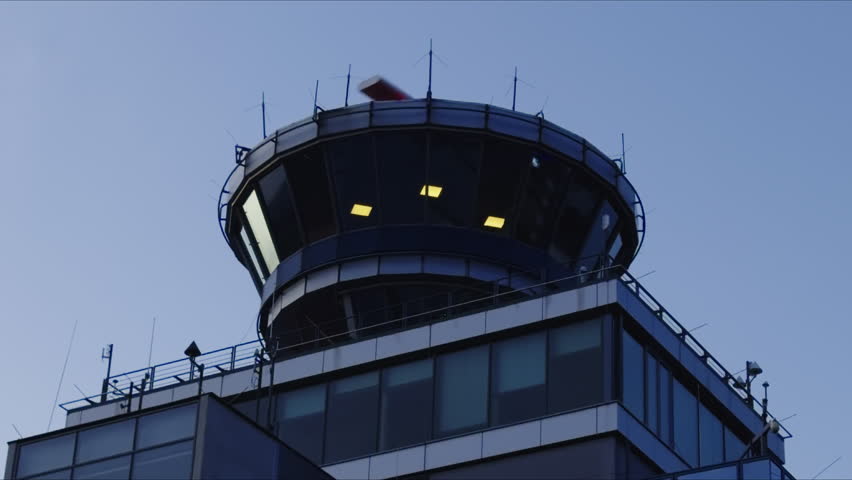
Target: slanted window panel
(105,441)
(685,423)
(665,405)
(308,180)
(406,417)
(353,405)
(651,390)
(633,375)
(615,248)
(710,440)
(402,174)
(60,475)
(518,389)
(275,190)
(166,426)
(250,249)
(578,212)
(113,469)
(453,178)
(504,167)
(301,419)
(461,391)
(575,371)
(353,170)
(260,230)
(542,199)
(734,447)
(46,455)
(172,461)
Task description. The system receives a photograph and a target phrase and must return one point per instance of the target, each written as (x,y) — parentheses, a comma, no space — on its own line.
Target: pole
(429,89)
(515,89)
(348,75)
(105,386)
(263,110)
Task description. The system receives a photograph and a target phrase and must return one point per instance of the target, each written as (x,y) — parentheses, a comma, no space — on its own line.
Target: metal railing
(243,355)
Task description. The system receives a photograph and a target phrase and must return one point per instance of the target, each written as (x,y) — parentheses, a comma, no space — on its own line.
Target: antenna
(826,468)
(623,155)
(263,111)
(17,431)
(151,345)
(316,92)
(62,375)
(348,76)
(515,88)
(429,88)
(106,353)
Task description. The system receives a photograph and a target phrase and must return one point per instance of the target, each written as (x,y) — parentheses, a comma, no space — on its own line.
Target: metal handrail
(239,359)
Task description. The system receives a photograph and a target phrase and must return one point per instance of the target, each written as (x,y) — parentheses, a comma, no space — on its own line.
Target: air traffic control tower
(445,294)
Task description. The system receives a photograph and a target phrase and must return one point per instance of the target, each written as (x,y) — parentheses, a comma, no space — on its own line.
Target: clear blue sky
(114,121)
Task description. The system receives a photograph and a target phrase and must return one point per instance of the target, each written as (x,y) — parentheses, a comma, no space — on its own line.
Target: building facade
(444,294)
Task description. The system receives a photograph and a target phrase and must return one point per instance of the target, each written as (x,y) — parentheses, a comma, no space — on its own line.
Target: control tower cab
(369,217)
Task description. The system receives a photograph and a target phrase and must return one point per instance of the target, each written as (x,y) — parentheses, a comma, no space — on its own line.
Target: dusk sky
(117,119)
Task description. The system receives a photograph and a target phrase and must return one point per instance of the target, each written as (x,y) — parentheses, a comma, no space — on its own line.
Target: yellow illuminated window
(431,190)
(495,222)
(361,210)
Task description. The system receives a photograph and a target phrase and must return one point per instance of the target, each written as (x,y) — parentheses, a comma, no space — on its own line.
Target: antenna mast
(515,89)
(429,88)
(623,155)
(263,111)
(348,75)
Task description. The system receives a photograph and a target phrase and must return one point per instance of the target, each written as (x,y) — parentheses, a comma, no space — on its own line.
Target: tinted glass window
(665,405)
(710,442)
(301,415)
(105,441)
(633,375)
(575,373)
(734,447)
(353,405)
(60,475)
(173,462)
(651,391)
(46,455)
(282,216)
(166,426)
(579,207)
(406,417)
(309,182)
(249,248)
(504,167)
(461,395)
(113,469)
(543,195)
(685,423)
(353,170)
(453,176)
(518,389)
(402,174)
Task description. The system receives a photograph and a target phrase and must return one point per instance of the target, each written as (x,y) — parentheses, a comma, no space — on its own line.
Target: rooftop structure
(444,294)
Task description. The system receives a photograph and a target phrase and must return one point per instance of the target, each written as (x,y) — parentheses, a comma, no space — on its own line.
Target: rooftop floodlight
(361,210)
(753,369)
(192,351)
(535,162)
(433,191)
(494,222)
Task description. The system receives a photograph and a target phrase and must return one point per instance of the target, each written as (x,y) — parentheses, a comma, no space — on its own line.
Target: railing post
(151,382)
(233,356)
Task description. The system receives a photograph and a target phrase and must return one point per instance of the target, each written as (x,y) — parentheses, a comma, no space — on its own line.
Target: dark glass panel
(402,173)
(518,389)
(454,168)
(60,475)
(280,212)
(723,473)
(309,182)
(406,405)
(461,391)
(575,372)
(166,426)
(353,405)
(46,455)
(633,375)
(105,441)
(504,167)
(542,199)
(665,405)
(354,172)
(710,430)
(301,419)
(651,390)
(112,469)
(578,210)
(171,462)
(756,470)
(734,447)
(685,423)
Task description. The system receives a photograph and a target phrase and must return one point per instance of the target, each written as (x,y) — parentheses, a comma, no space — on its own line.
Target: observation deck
(385,202)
